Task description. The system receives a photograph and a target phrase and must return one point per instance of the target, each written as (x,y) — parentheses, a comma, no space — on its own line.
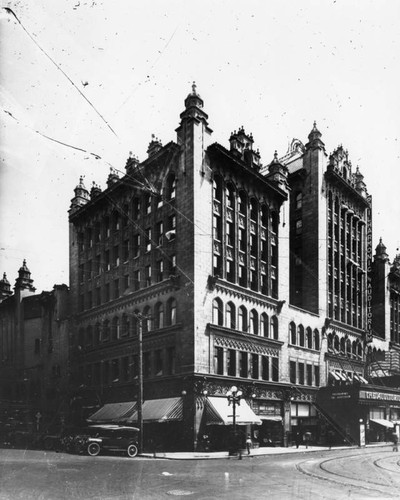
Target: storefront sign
(379,396)
(341,395)
(369,272)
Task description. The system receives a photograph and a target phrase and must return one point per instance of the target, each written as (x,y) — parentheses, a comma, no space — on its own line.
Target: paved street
(335,474)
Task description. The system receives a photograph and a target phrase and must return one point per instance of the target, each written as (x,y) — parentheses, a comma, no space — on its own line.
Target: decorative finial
(194,88)
(276,156)
(4,276)
(24,263)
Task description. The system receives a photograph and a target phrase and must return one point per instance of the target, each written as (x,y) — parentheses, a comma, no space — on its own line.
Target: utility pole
(140,380)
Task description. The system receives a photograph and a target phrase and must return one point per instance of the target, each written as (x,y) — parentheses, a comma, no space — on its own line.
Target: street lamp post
(234,396)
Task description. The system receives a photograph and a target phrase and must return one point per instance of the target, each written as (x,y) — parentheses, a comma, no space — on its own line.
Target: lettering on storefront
(341,395)
(369,272)
(379,396)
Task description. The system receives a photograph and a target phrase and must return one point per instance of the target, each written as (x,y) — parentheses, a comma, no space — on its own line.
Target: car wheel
(93,449)
(132,450)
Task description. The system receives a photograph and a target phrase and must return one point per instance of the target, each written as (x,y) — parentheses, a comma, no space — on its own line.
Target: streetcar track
(352,482)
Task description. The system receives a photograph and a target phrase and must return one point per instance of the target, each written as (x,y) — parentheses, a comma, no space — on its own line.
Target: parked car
(97,438)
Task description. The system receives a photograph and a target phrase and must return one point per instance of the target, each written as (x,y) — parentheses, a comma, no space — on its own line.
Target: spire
(314,138)
(24,280)
(81,196)
(5,289)
(154,146)
(194,107)
(277,171)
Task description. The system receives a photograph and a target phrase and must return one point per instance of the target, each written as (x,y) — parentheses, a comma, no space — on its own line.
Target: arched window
(342,346)
(242,203)
(264,216)
(218,317)
(230,196)
(317,343)
(242,316)
(299,200)
(274,328)
(171,311)
(292,333)
(89,336)
(336,343)
(106,331)
(359,350)
(254,322)
(348,348)
(146,321)
(309,338)
(253,209)
(97,334)
(354,349)
(300,333)
(135,322)
(125,325)
(230,316)
(159,315)
(264,325)
(217,188)
(170,187)
(330,343)
(81,338)
(115,328)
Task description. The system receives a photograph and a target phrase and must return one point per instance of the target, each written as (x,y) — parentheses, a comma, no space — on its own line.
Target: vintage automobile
(97,438)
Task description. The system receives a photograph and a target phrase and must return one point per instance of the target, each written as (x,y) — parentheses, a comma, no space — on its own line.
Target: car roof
(113,427)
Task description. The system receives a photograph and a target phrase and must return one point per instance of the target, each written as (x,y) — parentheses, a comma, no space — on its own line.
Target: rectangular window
(301,373)
(98,296)
(316,375)
(135,208)
(126,251)
(136,280)
(265,368)
(243,364)
(158,362)
(219,361)
(275,369)
(97,265)
(107,259)
(115,370)
(125,368)
(89,303)
(159,233)
(148,275)
(146,364)
(231,362)
(126,281)
(160,270)
(171,360)
(89,270)
(309,375)
(148,240)
(136,245)
(254,366)
(116,289)
(116,256)
(106,372)
(107,292)
(81,273)
(292,372)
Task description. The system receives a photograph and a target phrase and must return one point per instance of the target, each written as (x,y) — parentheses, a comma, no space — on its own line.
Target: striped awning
(113,412)
(219,412)
(159,410)
(382,422)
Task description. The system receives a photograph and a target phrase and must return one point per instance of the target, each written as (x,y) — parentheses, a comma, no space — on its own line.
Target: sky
(83,83)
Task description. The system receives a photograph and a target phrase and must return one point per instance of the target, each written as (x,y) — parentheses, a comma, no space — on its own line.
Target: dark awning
(159,410)
(113,412)
(382,422)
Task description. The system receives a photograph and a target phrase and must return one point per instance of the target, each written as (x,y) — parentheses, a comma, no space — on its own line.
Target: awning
(360,378)
(270,418)
(219,412)
(383,422)
(159,410)
(335,375)
(113,412)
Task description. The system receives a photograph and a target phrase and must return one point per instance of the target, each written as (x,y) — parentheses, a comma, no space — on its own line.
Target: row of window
(345,347)
(161,316)
(304,337)
(395,318)
(139,207)
(244,321)
(304,373)
(245,239)
(245,364)
(139,279)
(156,363)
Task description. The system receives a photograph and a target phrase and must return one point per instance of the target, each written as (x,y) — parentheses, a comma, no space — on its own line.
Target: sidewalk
(255,452)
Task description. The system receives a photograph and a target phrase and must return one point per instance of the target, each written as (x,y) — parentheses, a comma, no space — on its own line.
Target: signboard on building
(379,396)
(369,272)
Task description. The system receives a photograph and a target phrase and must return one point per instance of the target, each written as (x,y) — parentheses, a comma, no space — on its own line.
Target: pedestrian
(248,443)
(298,437)
(395,442)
